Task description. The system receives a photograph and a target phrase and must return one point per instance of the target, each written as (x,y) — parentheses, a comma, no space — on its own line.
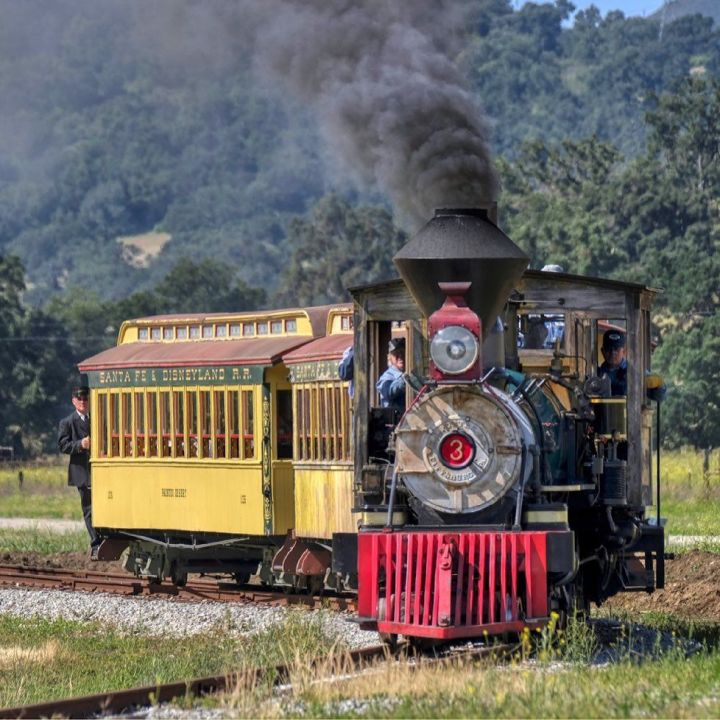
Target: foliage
(121,118)
(553,207)
(654,219)
(34,362)
(542,80)
(119,127)
(39,348)
(337,248)
(691,360)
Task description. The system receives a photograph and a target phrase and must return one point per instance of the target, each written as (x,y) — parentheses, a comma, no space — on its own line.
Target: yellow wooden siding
(176,496)
(323,501)
(130,329)
(283,494)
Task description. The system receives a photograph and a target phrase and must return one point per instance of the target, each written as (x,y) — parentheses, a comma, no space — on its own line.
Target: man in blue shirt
(615,365)
(346,369)
(391,385)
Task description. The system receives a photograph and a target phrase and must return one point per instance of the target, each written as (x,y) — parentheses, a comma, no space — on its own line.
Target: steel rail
(122,700)
(123,584)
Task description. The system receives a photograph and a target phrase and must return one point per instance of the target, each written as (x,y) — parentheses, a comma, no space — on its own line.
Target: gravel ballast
(155,616)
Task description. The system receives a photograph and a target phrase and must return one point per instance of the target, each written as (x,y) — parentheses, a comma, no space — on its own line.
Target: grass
(44,493)
(563,684)
(42,659)
(690,498)
(43,542)
(702,631)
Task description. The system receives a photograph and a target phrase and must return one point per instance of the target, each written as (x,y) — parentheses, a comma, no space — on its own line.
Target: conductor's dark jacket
(71,431)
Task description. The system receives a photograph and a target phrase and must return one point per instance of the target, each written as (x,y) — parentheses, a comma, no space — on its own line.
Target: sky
(629,7)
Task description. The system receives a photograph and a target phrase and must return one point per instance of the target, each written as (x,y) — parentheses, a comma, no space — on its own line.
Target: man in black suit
(74,440)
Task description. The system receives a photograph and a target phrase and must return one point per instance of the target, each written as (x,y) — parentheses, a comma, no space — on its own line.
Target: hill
(675,9)
(124,120)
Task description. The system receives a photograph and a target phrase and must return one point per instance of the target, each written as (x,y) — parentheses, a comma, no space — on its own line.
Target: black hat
(80,388)
(397,346)
(613,339)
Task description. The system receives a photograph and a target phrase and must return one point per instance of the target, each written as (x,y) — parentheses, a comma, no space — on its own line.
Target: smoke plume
(391,104)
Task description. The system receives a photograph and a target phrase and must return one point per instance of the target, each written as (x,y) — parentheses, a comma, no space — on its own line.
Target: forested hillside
(674,9)
(143,161)
(123,118)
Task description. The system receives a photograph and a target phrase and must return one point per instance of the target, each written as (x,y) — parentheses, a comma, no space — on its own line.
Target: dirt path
(692,589)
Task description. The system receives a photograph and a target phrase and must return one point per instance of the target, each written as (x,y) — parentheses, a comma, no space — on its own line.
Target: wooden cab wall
(586,305)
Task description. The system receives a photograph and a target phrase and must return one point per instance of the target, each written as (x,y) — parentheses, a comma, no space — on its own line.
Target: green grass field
(43,659)
(690,499)
(44,542)
(44,493)
(624,690)
(557,679)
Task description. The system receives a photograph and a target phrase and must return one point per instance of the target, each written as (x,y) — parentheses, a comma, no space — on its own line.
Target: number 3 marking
(457,450)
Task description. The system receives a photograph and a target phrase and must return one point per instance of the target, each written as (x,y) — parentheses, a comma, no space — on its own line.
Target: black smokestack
(391,104)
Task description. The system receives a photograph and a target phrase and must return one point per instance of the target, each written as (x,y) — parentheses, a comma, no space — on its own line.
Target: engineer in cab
(615,366)
(391,385)
(615,362)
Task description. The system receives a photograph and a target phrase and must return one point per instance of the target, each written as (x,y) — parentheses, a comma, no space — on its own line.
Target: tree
(91,324)
(205,286)
(34,365)
(690,359)
(556,205)
(340,246)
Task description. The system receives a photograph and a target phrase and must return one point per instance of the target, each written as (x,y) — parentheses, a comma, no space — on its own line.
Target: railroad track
(123,584)
(121,701)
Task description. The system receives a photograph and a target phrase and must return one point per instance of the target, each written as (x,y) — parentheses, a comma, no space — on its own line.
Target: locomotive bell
(462,246)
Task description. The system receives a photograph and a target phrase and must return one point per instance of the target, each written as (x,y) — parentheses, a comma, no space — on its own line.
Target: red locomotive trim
(443,584)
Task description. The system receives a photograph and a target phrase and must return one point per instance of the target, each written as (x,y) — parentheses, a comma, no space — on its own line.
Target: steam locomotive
(514,485)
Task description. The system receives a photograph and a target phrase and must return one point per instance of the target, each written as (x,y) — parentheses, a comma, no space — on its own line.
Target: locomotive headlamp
(454,349)
(454,331)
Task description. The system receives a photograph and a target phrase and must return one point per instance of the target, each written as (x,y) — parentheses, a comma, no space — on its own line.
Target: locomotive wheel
(577,607)
(389,640)
(241,578)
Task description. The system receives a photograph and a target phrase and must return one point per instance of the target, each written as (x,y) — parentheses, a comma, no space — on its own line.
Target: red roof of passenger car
(325,348)
(249,351)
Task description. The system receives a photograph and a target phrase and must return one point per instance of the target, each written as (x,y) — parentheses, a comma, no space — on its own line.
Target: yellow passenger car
(215,436)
